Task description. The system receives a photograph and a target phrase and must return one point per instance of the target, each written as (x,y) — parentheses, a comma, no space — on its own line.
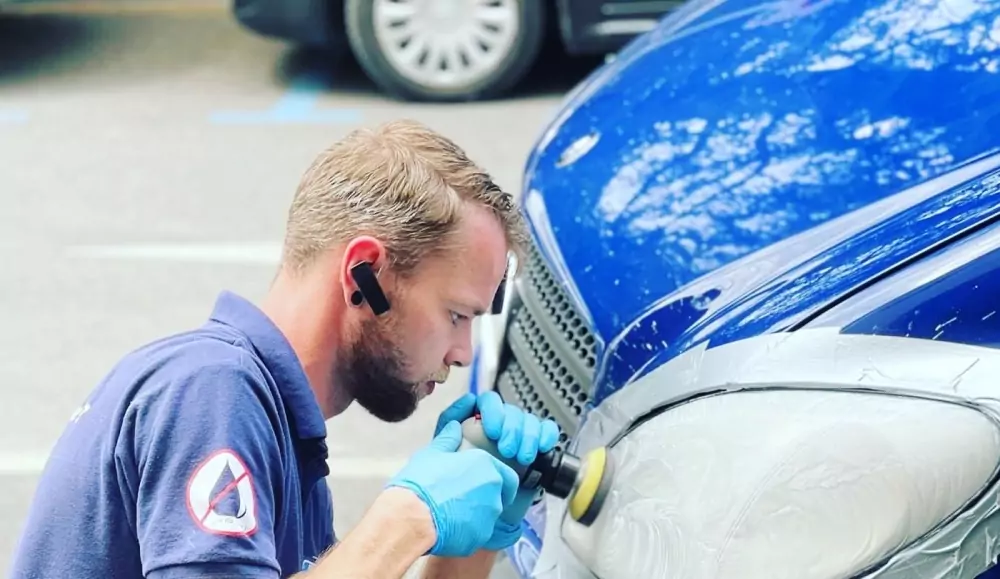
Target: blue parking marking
(13,116)
(296,107)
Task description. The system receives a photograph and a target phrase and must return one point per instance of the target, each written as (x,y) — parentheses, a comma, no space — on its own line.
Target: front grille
(549,352)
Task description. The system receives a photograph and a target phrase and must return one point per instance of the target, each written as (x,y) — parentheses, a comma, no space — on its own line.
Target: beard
(371,373)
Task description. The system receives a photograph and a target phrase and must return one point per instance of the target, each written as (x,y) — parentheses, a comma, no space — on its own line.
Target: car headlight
(781,458)
(784,484)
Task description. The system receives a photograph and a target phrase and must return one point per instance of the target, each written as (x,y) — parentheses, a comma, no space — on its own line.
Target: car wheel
(445,50)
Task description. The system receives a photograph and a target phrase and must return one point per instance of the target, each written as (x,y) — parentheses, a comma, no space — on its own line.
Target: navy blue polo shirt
(200,455)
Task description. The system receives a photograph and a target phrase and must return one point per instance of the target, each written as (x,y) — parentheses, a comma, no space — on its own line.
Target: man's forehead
(470,282)
(480,239)
(470,265)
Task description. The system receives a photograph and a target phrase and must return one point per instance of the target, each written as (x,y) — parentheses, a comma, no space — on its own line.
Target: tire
(508,60)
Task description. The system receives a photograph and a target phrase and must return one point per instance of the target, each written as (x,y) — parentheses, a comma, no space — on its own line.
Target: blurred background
(149,150)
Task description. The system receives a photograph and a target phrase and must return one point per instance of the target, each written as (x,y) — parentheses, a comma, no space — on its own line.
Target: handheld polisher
(584,482)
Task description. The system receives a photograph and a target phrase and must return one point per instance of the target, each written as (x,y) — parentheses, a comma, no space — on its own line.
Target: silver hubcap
(446,44)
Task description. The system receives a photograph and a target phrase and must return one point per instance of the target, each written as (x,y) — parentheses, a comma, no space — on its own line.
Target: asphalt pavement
(148,152)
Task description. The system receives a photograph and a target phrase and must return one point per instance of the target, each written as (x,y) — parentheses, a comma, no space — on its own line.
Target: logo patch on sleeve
(220,496)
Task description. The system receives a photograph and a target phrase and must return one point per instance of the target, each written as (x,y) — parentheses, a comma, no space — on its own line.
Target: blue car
(766,275)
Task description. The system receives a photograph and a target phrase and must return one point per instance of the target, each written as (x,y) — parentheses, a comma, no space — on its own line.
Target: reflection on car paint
(951,296)
(783,284)
(731,134)
(739,138)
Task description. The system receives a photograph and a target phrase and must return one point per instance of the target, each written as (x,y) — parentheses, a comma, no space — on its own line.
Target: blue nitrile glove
(459,411)
(465,491)
(518,434)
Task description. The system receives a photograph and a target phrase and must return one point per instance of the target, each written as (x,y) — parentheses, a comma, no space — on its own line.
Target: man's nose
(461,352)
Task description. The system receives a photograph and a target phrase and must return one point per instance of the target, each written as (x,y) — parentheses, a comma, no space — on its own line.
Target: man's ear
(369,290)
(363,260)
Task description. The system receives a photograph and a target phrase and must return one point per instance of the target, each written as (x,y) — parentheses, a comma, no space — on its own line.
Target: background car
(447,50)
(770,201)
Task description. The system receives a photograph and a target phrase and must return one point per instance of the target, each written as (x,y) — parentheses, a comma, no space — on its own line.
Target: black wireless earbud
(368,289)
(498,297)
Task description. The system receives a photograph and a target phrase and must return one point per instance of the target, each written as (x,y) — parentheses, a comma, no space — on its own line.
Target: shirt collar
(279,358)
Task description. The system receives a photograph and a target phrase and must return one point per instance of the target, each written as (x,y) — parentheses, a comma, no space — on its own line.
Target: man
(203,454)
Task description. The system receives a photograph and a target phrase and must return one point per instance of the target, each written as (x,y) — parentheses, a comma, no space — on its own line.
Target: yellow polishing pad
(589,483)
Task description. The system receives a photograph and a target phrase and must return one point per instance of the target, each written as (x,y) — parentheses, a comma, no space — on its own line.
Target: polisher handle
(473,436)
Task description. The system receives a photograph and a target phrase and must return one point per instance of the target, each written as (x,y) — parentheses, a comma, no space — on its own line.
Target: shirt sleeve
(205,464)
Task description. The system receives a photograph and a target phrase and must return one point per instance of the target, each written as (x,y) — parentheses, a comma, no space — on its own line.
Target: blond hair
(400,182)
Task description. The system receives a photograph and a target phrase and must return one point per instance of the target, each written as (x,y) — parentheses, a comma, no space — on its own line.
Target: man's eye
(455,317)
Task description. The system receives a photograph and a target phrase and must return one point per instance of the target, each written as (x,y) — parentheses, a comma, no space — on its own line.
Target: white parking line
(250,253)
(341,467)
(22,464)
(117,7)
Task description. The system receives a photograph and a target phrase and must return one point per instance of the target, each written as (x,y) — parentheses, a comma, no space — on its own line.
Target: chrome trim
(645,8)
(550,356)
(618,27)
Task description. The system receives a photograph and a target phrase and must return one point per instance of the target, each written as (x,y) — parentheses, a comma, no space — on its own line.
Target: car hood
(738,125)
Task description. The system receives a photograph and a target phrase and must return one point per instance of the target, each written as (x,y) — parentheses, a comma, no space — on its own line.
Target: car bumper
(523,554)
(311,22)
